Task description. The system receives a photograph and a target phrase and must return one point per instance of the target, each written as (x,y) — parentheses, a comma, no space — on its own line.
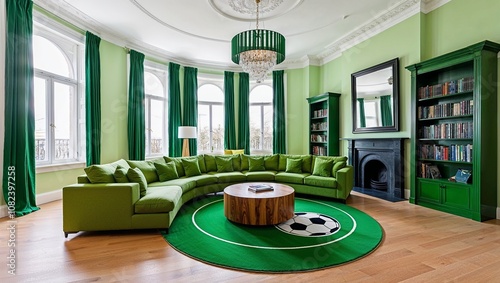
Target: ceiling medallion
(250,6)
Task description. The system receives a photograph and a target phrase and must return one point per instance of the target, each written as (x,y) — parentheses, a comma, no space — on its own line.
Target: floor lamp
(186,133)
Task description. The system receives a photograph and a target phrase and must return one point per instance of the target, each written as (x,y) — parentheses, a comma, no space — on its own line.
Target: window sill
(60,167)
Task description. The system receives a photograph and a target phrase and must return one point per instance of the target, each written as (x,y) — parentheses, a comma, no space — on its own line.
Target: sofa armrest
(345,181)
(91,207)
(82,179)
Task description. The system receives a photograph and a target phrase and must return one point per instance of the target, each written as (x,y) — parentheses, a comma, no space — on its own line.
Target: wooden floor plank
(420,245)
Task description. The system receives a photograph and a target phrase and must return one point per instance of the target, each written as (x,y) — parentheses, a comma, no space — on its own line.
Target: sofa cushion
(186,183)
(236,162)
(256,163)
(100,173)
(293,165)
(238,151)
(210,162)
(230,177)
(178,164)
(166,171)
(201,163)
(320,181)
(294,178)
(244,162)
(260,176)
(339,162)
(191,166)
(135,175)
(322,167)
(121,174)
(147,167)
(122,162)
(158,200)
(204,179)
(306,162)
(224,164)
(271,162)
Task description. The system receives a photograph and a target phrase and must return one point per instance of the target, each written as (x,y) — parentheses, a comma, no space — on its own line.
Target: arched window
(59,99)
(155,99)
(261,120)
(210,119)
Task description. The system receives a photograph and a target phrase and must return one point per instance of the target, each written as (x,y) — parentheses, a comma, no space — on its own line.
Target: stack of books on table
(260,188)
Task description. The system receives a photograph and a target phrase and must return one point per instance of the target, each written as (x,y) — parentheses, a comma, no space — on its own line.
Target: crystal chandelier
(258,51)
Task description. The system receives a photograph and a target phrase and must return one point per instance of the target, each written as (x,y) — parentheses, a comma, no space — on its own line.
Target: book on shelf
(260,188)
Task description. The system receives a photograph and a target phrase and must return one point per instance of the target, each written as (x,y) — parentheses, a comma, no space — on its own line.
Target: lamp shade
(187,132)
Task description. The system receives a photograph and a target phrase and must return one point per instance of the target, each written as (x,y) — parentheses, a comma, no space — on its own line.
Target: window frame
(268,83)
(217,81)
(72,46)
(161,72)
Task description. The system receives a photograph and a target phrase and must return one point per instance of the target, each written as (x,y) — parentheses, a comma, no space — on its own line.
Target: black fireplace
(378,166)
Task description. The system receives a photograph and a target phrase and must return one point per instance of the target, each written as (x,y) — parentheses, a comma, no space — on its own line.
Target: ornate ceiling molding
(401,11)
(250,6)
(394,15)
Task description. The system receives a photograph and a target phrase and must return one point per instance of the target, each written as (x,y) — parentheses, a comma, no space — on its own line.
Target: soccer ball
(310,224)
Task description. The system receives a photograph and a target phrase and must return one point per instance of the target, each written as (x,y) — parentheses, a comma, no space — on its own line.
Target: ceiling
(199,32)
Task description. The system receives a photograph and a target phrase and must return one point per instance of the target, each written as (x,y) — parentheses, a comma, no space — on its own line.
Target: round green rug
(333,234)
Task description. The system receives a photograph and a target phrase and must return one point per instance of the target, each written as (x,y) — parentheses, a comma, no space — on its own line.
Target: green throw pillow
(167,171)
(135,175)
(322,167)
(224,164)
(191,166)
(121,175)
(178,164)
(293,165)
(244,162)
(102,173)
(210,164)
(339,164)
(256,163)
(147,167)
(271,162)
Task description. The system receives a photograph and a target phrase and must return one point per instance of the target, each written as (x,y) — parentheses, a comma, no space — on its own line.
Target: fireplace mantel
(389,151)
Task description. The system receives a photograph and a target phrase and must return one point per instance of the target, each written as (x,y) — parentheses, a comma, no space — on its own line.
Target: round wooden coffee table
(261,208)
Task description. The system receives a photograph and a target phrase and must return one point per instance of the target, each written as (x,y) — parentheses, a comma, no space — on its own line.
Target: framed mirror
(375,98)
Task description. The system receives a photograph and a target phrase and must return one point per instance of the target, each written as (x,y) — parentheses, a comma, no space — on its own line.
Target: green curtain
(244,108)
(174,110)
(279,122)
(92,99)
(19,143)
(362,119)
(136,117)
(385,110)
(229,123)
(190,115)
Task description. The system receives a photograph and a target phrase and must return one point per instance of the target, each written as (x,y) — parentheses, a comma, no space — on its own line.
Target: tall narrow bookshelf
(324,124)
(454,127)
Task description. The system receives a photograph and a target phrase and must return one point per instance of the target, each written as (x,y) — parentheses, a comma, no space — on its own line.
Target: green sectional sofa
(148,194)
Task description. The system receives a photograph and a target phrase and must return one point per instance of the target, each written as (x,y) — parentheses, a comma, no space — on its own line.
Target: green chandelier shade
(258,39)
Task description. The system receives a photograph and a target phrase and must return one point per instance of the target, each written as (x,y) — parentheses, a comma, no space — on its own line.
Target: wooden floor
(420,245)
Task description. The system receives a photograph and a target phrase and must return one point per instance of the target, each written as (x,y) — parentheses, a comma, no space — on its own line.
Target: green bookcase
(324,124)
(454,126)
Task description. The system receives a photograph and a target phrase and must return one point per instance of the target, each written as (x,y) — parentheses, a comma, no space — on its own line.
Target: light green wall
(113,102)
(297,88)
